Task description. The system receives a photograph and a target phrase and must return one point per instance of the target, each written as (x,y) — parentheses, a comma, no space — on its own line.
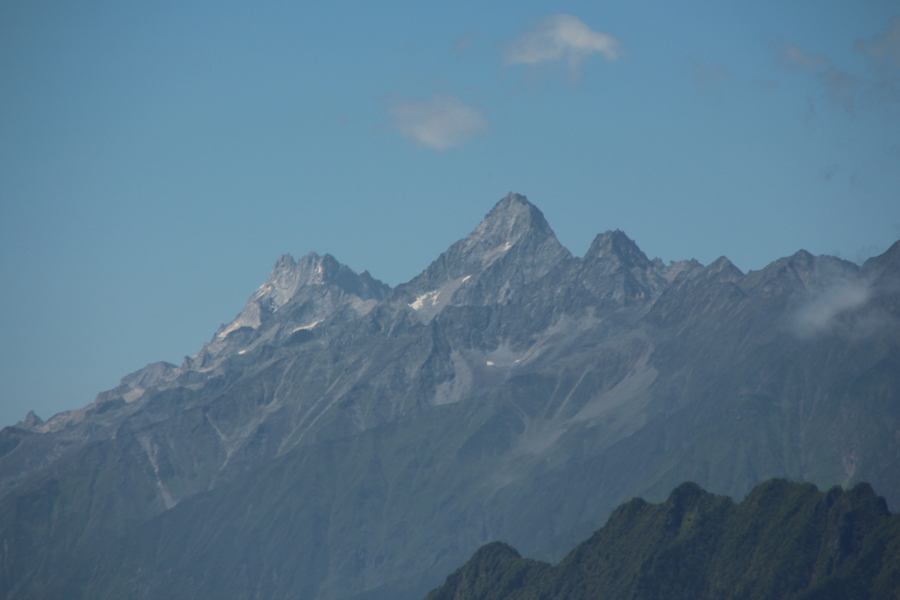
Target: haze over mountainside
(341,439)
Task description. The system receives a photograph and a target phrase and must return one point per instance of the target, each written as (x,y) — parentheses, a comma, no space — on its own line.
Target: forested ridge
(785,540)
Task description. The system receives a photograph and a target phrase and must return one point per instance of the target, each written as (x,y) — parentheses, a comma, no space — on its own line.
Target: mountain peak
(511,218)
(886,264)
(615,245)
(512,202)
(615,269)
(31,422)
(288,277)
(285,261)
(513,245)
(722,268)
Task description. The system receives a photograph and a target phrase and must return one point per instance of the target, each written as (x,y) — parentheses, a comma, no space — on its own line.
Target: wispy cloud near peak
(881,86)
(820,313)
(707,76)
(792,56)
(883,50)
(439,123)
(560,37)
(840,86)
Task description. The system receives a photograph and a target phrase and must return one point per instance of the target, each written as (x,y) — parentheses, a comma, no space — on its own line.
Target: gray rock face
(297,297)
(615,270)
(339,437)
(513,246)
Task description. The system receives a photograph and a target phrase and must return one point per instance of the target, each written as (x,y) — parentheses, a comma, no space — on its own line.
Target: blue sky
(157,158)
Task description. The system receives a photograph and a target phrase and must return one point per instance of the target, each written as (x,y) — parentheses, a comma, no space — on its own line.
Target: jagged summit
(303,294)
(510,219)
(513,222)
(724,268)
(615,245)
(289,276)
(803,272)
(885,265)
(512,246)
(615,269)
(31,421)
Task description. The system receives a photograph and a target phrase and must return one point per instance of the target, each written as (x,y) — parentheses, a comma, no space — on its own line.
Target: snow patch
(310,326)
(133,394)
(495,253)
(429,297)
(151,450)
(231,327)
(249,317)
(431,303)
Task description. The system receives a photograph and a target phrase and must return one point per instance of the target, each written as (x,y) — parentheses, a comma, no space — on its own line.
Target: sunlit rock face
(512,247)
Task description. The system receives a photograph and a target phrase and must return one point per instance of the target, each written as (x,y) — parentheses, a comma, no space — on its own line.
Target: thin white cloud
(840,86)
(706,75)
(820,313)
(791,56)
(851,91)
(883,50)
(560,38)
(439,123)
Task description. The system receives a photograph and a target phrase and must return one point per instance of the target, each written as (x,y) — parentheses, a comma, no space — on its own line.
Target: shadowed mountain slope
(340,439)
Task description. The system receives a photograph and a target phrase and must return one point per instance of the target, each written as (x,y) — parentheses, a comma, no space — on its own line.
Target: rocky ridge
(511,390)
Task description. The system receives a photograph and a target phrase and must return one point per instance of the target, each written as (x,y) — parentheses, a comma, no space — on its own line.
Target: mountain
(341,439)
(513,246)
(785,540)
(296,298)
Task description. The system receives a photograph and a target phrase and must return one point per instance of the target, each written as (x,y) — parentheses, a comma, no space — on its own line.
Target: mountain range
(342,439)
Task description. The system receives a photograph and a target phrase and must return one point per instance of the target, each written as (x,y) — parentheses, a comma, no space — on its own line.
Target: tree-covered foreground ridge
(784,541)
